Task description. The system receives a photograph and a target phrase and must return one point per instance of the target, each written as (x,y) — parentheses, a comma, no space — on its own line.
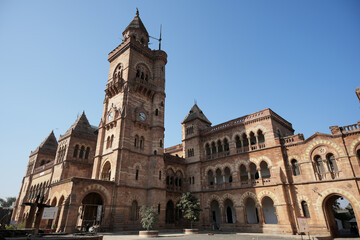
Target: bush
(190,206)
(148,217)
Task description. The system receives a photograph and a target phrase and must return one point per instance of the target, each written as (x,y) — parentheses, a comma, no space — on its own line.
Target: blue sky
(299,58)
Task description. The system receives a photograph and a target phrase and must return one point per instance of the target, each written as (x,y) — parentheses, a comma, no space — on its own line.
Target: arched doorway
(91,210)
(340,216)
(269,211)
(252,215)
(230,211)
(215,214)
(169,212)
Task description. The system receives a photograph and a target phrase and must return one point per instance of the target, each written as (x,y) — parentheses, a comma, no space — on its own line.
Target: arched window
(226,145)
(106,172)
(245,140)
(159,208)
(42,162)
(142,142)
(237,142)
(305,209)
(265,171)
(332,162)
(295,167)
(210,178)
(111,140)
(244,176)
(252,138)
(76,150)
(219,177)
(207,149)
(82,149)
(319,164)
(253,171)
(108,142)
(228,177)
(161,143)
(219,146)
(87,152)
(138,73)
(159,175)
(213,148)
(134,211)
(137,174)
(136,141)
(261,137)
(156,112)
(155,152)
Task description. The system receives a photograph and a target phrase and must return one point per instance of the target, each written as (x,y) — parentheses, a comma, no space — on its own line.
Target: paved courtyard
(215,236)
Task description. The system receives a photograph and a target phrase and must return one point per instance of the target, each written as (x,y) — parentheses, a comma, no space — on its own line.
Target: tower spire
(137,12)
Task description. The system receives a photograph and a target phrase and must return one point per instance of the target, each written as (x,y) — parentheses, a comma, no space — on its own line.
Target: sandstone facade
(251,174)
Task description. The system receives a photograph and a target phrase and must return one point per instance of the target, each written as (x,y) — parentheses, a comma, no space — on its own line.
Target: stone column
(259,171)
(240,214)
(223,214)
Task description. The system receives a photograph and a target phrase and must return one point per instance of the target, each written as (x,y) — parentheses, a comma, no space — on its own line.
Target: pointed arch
(316,143)
(248,195)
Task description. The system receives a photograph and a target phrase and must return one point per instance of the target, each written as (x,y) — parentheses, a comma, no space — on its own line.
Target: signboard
(50,213)
(303,225)
(98,214)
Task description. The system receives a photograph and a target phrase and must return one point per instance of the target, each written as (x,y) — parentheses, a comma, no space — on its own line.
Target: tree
(190,206)
(8,202)
(148,217)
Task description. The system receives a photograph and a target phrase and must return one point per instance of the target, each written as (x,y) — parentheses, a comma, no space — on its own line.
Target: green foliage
(8,202)
(190,206)
(148,217)
(16,226)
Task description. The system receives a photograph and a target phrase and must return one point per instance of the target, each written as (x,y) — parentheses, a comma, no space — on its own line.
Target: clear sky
(299,58)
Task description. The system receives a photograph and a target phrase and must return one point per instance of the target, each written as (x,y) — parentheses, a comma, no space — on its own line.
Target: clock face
(142,116)
(110,116)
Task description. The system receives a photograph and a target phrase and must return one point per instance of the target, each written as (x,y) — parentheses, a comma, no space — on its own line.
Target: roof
(50,142)
(136,23)
(82,125)
(195,113)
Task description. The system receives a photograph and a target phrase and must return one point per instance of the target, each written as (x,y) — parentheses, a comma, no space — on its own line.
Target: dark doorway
(340,217)
(169,212)
(91,210)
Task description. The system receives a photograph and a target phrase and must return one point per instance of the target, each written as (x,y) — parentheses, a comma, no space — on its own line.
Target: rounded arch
(304,198)
(208,168)
(137,166)
(267,193)
(180,170)
(170,168)
(227,165)
(216,198)
(230,197)
(242,162)
(237,134)
(266,159)
(354,145)
(247,195)
(96,188)
(143,63)
(341,192)
(296,157)
(311,147)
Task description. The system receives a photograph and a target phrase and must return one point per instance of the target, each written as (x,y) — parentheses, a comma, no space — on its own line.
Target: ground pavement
(213,236)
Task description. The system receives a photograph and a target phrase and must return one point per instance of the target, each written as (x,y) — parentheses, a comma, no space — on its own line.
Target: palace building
(251,174)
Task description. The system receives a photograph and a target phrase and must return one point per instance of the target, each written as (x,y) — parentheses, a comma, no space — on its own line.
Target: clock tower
(129,149)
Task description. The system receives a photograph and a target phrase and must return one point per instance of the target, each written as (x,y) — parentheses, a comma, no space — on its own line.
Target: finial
(195,102)
(137,12)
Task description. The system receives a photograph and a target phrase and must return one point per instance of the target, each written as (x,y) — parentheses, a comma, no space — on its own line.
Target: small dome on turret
(137,30)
